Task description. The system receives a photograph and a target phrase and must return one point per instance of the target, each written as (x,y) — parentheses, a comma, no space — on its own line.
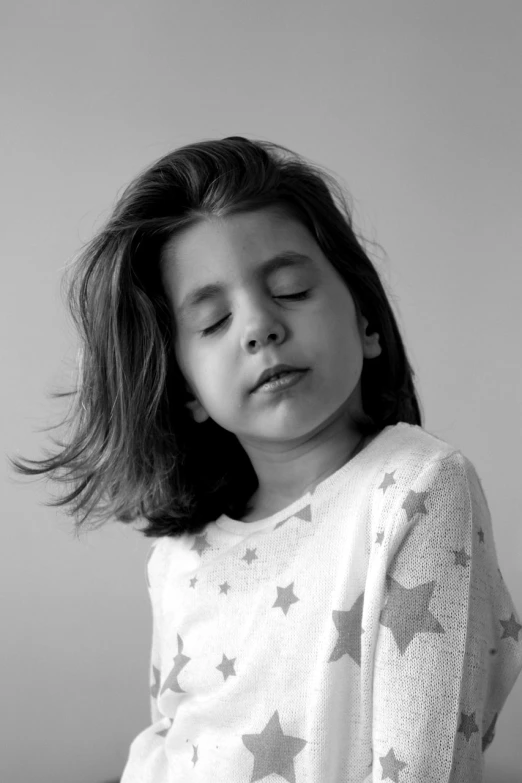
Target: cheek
(182,352)
(333,332)
(212,372)
(194,367)
(342,353)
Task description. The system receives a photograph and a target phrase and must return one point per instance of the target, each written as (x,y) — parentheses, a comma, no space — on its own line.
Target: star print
(467,725)
(224,588)
(180,661)
(387,481)
(277,750)
(164,732)
(157,682)
(414,504)
(285,597)
(391,766)
(250,555)
(488,737)
(511,628)
(461,558)
(200,544)
(227,667)
(349,626)
(406,612)
(273,751)
(305,515)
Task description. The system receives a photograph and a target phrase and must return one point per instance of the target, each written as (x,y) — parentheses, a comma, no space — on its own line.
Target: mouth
(276,370)
(280,380)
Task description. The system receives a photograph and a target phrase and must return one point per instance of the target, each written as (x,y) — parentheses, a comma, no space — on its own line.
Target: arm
(449,645)
(146,758)
(155,662)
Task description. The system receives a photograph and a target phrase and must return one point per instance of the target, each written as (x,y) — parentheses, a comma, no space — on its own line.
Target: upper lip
(277,368)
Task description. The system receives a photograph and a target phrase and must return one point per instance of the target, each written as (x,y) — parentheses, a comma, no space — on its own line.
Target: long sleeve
(146,761)
(449,645)
(363,633)
(155,662)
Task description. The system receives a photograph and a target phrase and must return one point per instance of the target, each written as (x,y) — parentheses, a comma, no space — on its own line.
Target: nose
(264,326)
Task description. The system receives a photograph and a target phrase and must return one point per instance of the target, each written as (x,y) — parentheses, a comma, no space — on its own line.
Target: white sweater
(363,633)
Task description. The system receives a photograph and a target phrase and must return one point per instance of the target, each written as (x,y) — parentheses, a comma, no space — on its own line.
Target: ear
(371,344)
(199,413)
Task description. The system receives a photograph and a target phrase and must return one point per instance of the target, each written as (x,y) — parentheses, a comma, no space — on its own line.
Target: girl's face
(256,328)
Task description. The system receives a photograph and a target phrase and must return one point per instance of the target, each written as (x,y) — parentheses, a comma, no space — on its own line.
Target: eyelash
(212,329)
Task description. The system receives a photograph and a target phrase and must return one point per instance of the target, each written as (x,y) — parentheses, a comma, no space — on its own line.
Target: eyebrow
(288,258)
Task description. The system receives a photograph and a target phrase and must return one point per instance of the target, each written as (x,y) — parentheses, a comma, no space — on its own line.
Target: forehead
(206,259)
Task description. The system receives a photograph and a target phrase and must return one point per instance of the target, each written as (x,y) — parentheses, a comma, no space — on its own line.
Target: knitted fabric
(363,633)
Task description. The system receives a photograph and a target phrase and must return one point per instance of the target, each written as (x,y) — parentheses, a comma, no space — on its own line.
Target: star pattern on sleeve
(407,614)
(163,732)
(180,661)
(154,689)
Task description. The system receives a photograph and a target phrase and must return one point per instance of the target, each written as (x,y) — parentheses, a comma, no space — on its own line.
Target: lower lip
(284,382)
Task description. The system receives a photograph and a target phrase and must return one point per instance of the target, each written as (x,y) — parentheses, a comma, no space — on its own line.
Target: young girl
(326,598)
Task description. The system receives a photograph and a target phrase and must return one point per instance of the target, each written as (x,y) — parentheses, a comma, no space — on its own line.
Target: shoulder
(411,451)
(414,465)
(411,442)
(165,552)
(421,476)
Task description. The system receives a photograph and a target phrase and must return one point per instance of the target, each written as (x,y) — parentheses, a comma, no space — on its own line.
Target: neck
(267,501)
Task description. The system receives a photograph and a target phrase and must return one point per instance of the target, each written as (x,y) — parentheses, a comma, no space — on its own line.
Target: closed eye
(219,324)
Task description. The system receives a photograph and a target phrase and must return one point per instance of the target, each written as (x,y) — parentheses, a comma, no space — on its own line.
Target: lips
(272,372)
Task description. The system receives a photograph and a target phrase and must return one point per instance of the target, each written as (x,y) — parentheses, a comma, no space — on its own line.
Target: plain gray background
(417,107)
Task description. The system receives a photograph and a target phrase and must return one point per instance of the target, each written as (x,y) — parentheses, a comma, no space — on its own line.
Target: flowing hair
(133,451)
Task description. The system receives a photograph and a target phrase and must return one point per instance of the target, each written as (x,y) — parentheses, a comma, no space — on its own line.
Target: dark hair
(134,451)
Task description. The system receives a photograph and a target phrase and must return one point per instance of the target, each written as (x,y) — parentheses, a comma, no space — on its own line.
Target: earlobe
(199,414)
(372,347)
